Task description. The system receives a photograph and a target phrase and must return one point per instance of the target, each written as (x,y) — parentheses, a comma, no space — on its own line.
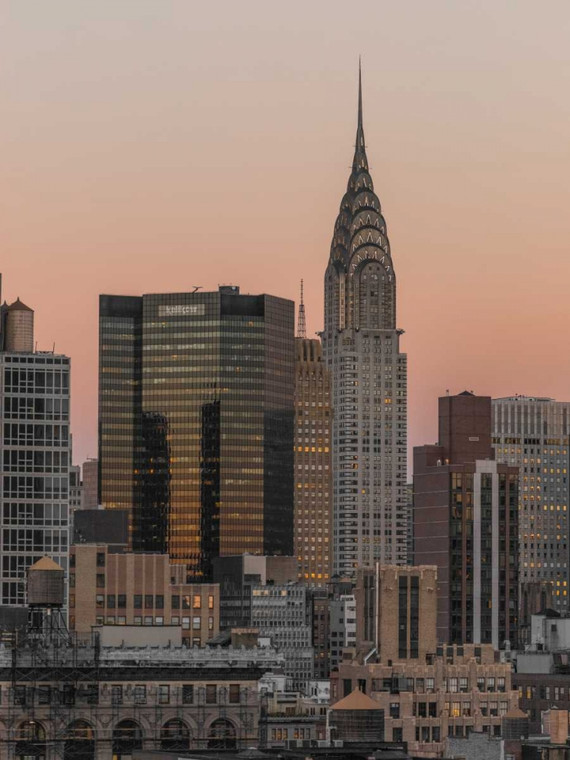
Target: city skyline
(119,157)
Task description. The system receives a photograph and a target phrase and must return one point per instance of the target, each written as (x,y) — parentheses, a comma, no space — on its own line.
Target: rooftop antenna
(301,322)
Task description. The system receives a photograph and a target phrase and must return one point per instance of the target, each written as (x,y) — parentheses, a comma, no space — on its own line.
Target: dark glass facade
(196,422)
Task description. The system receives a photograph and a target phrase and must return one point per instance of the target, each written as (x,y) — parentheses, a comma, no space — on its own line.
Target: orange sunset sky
(153,145)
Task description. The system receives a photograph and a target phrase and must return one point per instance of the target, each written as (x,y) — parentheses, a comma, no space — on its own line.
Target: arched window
(79,741)
(174,736)
(222,735)
(127,737)
(30,741)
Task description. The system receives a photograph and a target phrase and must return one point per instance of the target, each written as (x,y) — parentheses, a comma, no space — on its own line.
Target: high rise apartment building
(196,422)
(313,477)
(532,433)
(361,347)
(466,523)
(35,452)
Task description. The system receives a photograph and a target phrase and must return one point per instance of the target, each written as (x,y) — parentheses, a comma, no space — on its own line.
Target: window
(100,580)
(211,694)
(175,602)
(501,683)
(196,623)
(481,683)
(430,684)
(433,709)
(186,623)
(111,601)
(122,620)
(138,602)
(44,695)
(463,685)
(117,695)
(394,709)
(100,600)
(422,710)
(196,602)
(148,602)
(140,695)
(397,735)
(234,693)
(210,623)
(159,602)
(100,559)
(187,694)
(174,621)
(159,620)
(455,710)
(186,602)
(164,694)
(490,684)
(211,602)
(122,601)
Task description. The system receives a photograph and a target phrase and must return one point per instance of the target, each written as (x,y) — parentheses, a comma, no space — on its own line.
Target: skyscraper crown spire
(301,322)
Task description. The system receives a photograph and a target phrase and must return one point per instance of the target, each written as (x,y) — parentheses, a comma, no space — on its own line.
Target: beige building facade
(138,589)
(313,485)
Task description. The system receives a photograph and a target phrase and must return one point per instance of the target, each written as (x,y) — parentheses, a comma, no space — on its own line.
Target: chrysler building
(361,346)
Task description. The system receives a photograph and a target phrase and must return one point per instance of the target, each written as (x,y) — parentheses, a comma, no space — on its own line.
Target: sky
(155,145)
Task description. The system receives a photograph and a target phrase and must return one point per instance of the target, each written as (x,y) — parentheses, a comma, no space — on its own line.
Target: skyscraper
(466,523)
(34,451)
(361,346)
(533,434)
(313,476)
(196,422)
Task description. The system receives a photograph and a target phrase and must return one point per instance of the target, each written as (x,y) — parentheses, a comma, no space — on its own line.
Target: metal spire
(301,323)
(360,129)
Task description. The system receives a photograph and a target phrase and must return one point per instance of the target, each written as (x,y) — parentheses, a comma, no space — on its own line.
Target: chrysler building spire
(361,347)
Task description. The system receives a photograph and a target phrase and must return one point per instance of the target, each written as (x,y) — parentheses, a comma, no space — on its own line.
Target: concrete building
(465,523)
(396,610)
(456,690)
(196,414)
(285,615)
(342,626)
(90,472)
(238,576)
(361,348)
(35,450)
(532,433)
(313,483)
(75,490)
(64,701)
(124,589)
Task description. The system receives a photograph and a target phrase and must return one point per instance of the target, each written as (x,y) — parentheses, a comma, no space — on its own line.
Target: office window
(140,695)
(175,602)
(138,602)
(187,694)
(197,602)
(117,695)
(234,693)
(211,694)
(164,694)
(159,602)
(148,602)
(122,601)
(111,601)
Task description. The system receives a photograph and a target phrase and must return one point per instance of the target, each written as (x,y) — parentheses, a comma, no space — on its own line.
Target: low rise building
(108,588)
(455,691)
(284,613)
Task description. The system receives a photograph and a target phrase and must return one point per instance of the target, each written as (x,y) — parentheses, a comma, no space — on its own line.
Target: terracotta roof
(45,563)
(18,306)
(356,701)
(515,713)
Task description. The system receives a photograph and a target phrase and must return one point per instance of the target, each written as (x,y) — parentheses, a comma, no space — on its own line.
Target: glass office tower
(196,422)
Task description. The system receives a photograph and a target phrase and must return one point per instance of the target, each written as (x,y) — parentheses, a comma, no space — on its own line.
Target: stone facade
(313,483)
(138,589)
(78,702)
(457,690)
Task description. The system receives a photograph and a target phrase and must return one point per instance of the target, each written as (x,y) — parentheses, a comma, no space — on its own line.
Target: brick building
(138,589)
